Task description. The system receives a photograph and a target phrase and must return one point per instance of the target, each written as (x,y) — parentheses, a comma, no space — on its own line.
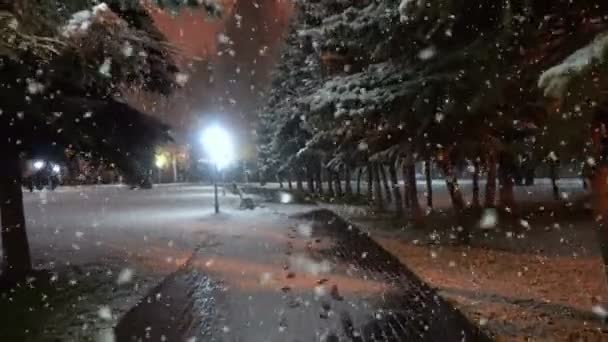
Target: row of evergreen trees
(381,85)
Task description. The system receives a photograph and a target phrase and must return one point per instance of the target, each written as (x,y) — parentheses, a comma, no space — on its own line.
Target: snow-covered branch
(556,80)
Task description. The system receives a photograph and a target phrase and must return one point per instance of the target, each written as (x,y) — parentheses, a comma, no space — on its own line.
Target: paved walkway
(311,277)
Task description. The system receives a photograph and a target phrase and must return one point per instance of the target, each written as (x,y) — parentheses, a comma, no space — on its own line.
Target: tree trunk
(16,250)
(310,181)
(415,211)
(387,188)
(553,172)
(506,195)
(330,185)
(370,182)
(347,178)
(359,176)
(319,180)
(299,185)
(475,201)
(599,189)
(406,188)
(490,197)
(338,184)
(451,182)
(289,185)
(392,171)
(377,187)
(280,181)
(429,183)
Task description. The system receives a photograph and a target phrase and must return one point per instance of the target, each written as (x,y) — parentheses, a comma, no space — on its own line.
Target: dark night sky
(222,86)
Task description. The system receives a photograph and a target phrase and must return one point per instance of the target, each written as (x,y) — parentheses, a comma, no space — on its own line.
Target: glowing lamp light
(218,146)
(56,168)
(161,161)
(38,164)
(285,197)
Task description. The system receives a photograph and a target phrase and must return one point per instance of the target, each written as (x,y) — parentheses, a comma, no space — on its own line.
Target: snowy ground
(110,245)
(538,278)
(96,236)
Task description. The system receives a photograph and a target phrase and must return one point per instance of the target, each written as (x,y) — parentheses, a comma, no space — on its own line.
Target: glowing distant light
(160,161)
(56,168)
(38,164)
(285,197)
(218,145)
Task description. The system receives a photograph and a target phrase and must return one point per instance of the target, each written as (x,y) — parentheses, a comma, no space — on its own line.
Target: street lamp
(220,152)
(160,162)
(39,164)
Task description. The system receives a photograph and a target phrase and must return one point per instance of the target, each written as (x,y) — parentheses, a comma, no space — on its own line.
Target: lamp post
(218,146)
(160,162)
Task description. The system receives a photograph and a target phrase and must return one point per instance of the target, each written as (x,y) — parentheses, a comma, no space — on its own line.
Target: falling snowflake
(285,197)
(105,313)
(320,291)
(34,87)
(552,156)
(105,67)
(489,219)
(127,49)
(427,53)
(439,117)
(266,278)
(600,311)
(305,229)
(222,38)
(106,335)
(181,79)
(125,276)
(306,264)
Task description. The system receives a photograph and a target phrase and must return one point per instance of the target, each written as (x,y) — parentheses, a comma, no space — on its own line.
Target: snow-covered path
(264,276)
(98,234)
(247,255)
(87,224)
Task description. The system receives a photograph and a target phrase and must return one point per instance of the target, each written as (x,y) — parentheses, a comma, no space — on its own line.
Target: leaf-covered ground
(542,282)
